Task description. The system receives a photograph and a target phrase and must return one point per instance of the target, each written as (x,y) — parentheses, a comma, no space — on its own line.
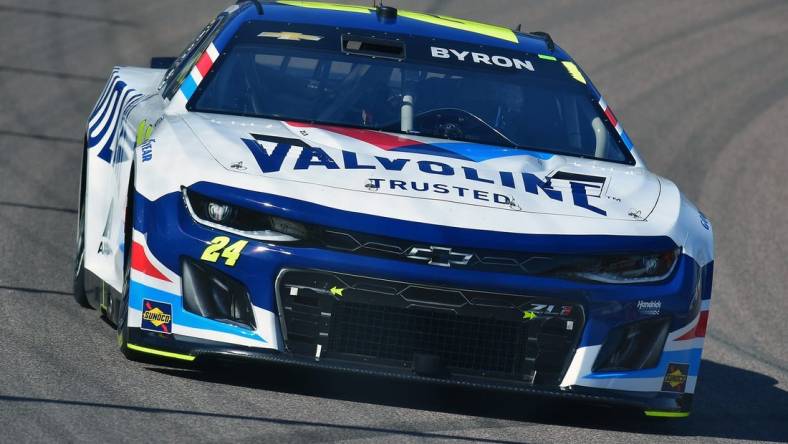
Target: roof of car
(406,22)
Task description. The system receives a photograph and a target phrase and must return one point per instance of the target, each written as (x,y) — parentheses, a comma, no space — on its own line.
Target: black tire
(123,309)
(123,327)
(80,296)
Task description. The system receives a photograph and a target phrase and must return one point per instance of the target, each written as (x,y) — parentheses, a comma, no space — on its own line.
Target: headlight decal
(223,216)
(627,269)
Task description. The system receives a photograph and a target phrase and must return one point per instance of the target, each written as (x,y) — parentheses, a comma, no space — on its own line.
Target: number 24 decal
(220,248)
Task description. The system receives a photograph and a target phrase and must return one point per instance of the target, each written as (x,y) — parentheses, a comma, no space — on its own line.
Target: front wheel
(123,322)
(123,308)
(80,295)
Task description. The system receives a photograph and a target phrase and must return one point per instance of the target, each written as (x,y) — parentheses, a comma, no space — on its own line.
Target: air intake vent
(373,47)
(434,331)
(214,295)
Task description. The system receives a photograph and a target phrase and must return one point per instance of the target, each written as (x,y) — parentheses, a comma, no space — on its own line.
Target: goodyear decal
(144,131)
(156,316)
(144,142)
(146,149)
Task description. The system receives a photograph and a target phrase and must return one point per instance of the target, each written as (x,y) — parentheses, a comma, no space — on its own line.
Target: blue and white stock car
(396,193)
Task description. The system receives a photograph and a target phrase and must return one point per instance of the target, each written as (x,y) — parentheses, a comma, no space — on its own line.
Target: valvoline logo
(272,152)
(156,316)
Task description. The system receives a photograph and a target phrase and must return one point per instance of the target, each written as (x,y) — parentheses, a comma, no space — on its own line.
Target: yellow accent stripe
(547,57)
(498,32)
(161,353)
(661,414)
(574,71)
(327,6)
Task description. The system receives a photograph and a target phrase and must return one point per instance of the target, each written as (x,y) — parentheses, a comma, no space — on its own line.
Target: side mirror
(161,62)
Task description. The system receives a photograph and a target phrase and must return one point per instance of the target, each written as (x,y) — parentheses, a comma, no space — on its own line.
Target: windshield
(423,87)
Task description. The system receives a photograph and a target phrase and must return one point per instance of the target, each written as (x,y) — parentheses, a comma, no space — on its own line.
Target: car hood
(311,160)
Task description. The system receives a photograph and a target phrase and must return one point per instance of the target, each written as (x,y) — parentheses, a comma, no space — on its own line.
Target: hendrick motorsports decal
(649,308)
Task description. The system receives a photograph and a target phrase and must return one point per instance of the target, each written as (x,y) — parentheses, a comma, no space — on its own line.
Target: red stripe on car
(611,116)
(141,263)
(381,140)
(700,330)
(204,64)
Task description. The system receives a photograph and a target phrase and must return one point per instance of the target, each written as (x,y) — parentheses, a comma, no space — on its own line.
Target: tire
(123,321)
(123,308)
(80,296)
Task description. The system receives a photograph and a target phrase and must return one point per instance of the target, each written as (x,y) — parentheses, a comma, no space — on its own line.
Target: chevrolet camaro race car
(388,192)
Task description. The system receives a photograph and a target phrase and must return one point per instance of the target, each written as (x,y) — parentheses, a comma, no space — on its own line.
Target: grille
(463,342)
(394,324)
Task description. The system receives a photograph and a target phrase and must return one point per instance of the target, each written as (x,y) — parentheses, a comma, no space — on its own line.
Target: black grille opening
(397,334)
(209,293)
(437,331)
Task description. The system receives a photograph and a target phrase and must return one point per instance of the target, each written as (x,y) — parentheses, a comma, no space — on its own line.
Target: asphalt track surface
(702,87)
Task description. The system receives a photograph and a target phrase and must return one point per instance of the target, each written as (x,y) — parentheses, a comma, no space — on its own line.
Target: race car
(386,192)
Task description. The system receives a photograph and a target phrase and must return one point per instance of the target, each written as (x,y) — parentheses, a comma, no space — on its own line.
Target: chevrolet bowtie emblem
(294,36)
(439,256)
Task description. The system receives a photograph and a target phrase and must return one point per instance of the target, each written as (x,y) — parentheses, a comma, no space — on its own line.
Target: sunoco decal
(156,316)
(675,378)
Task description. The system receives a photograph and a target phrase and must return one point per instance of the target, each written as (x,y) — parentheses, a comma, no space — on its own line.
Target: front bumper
(190,350)
(170,235)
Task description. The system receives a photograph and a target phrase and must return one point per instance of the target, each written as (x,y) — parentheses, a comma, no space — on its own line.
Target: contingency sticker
(675,378)
(156,316)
